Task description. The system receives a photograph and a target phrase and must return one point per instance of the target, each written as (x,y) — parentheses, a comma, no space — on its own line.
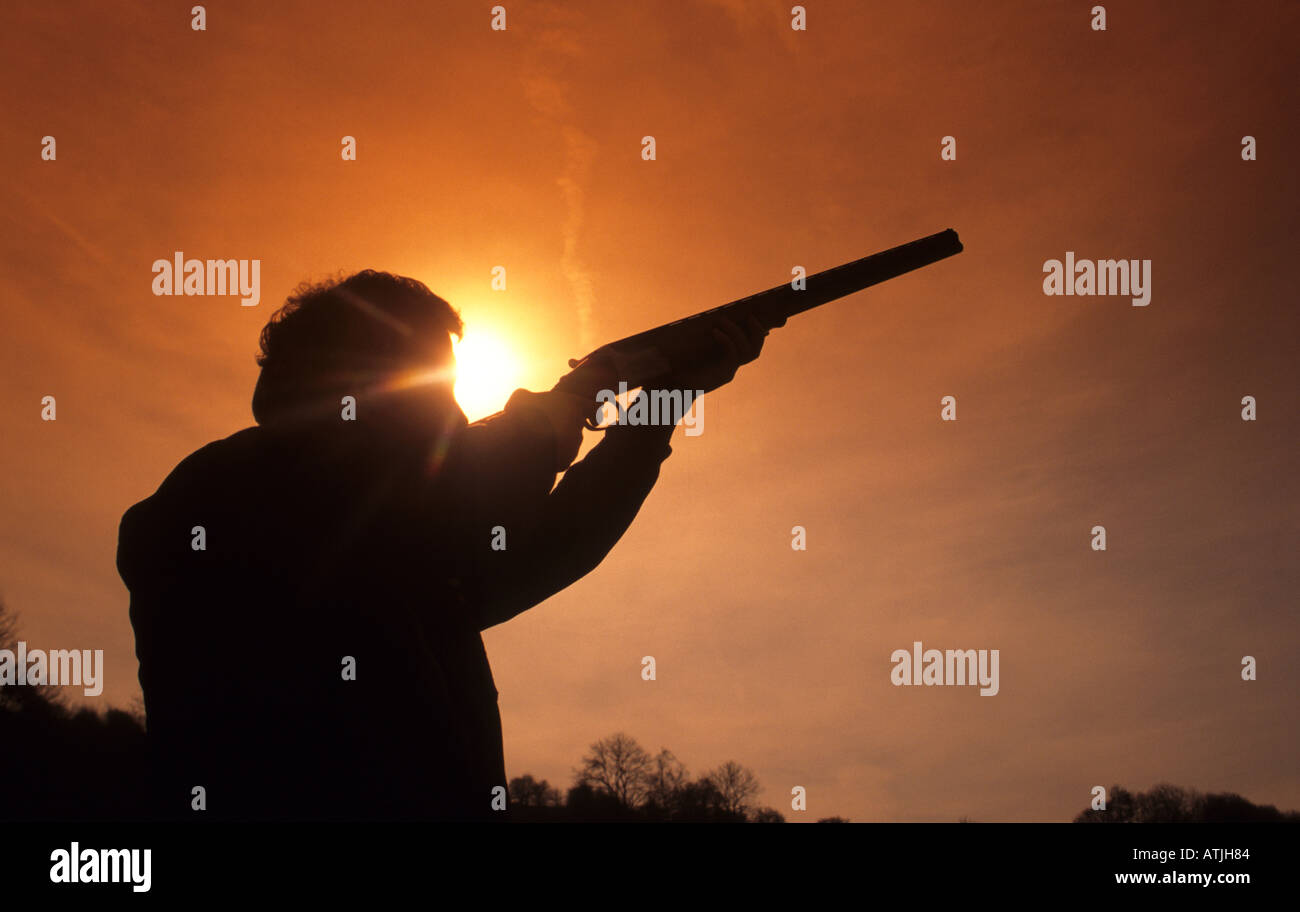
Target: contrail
(559,40)
(580,148)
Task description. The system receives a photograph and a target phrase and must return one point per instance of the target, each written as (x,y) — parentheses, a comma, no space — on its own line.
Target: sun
(487,372)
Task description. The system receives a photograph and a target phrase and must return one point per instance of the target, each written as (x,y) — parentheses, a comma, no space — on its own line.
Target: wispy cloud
(549,96)
(580,150)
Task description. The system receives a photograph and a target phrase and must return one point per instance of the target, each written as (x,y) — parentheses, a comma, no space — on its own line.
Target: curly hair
(340,336)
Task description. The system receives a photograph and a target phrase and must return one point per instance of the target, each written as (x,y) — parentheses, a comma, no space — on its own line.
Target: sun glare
(487,372)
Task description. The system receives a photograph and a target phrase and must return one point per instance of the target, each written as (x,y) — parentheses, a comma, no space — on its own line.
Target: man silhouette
(308,594)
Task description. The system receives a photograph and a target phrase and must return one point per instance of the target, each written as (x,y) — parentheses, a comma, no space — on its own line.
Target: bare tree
(33,697)
(8,628)
(619,766)
(665,779)
(737,785)
(1165,803)
(529,792)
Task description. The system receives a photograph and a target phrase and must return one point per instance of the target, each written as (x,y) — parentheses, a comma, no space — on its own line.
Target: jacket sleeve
(571,530)
(507,462)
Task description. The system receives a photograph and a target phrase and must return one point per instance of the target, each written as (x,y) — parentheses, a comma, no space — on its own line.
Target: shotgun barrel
(647,357)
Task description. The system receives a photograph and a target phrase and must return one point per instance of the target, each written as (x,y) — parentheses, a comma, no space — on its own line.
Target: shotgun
(648,358)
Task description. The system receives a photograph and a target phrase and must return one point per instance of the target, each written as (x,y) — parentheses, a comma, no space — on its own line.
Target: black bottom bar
(440,862)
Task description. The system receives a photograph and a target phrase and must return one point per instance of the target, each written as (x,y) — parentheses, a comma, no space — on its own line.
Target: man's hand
(560,415)
(588,378)
(737,344)
(573,398)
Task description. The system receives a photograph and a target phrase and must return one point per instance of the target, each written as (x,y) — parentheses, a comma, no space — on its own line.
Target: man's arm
(577,526)
(579,522)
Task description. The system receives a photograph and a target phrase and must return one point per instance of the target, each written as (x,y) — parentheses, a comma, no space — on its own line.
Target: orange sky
(775,148)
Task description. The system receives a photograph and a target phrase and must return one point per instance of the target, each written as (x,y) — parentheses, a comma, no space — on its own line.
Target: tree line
(1167,803)
(59,763)
(619,780)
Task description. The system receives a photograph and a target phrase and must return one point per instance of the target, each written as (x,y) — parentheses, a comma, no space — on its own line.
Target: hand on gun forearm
(572,401)
(737,343)
(734,342)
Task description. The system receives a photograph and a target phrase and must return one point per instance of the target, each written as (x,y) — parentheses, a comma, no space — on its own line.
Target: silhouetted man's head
(381,338)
